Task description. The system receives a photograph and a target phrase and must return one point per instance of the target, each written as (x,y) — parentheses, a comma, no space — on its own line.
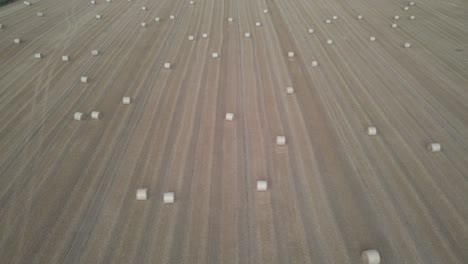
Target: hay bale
(371,131)
(126,100)
(95,115)
(434,147)
(229,116)
(78,116)
(280,140)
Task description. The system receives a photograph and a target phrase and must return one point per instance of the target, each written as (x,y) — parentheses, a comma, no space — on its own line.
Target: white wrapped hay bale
(314,63)
(230,19)
(394,25)
(265,11)
(84,79)
(258,24)
(407,45)
(108,1)
(215,55)
(191,2)
(372,38)
(247,34)
(156,19)
(396,17)
(38,55)
(17,41)
(289,90)
(95,115)
(39,14)
(412,17)
(172,17)
(229,116)
(65,58)
(359,17)
(98,16)
(94,52)
(143,8)
(291,54)
(93,2)
(205,35)
(328,21)
(335,17)
(142,194)
(126,100)
(406,8)
(329,41)
(411,3)
(262,185)
(434,147)
(143,24)
(280,140)
(167,65)
(27,3)
(370,256)
(78,116)
(168,197)
(191,37)
(371,131)
(311,30)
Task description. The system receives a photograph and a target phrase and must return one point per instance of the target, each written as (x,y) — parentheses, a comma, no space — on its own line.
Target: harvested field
(358,101)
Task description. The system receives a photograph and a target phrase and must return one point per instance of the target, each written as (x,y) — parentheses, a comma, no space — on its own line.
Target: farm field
(321,73)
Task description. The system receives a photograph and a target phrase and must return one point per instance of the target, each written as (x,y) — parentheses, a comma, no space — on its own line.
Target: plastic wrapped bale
(265,11)
(280,140)
(126,100)
(17,41)
(370,256)
(84,79)
(172,17)
(94,52)
(27,3)
(329,41)
(247,34)
(143,24)
(372,38)
(230,19)
(78,116)
(167,65)
(311,30)
(394,25)
(359,17)
(156,19)
(262,185)
(168,197)
(229,116)
(98,16)
(39,14)
(335,17)
(191,37)
(38,55)
(289,90)
(205,35)
(290,54)
(434,147)
(65,58)
(396,17)
(215,55)
(314,63)
(258,24)
(328,21)
(142,194)
(95,115)
(407,45)
(371,131)
(143,8)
